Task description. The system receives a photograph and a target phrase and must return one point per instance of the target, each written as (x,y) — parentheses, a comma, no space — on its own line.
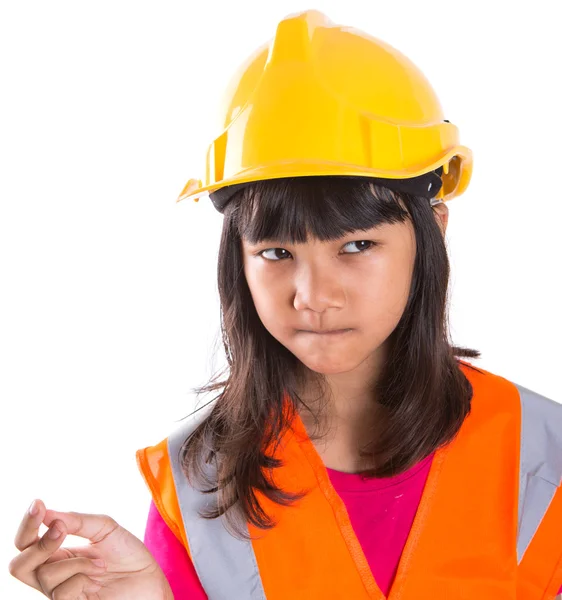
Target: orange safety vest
(488,526)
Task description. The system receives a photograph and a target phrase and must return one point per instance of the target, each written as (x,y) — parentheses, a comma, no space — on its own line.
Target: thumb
(90,526)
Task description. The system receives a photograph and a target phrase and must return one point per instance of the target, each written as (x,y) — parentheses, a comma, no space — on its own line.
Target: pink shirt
(381,511)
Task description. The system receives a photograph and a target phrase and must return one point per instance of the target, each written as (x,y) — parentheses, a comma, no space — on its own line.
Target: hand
(129,571)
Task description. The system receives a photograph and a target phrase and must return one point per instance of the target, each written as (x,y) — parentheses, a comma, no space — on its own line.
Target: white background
(108,299)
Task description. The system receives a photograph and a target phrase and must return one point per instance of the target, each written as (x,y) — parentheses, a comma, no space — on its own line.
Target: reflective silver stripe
(226,566)
(540,463)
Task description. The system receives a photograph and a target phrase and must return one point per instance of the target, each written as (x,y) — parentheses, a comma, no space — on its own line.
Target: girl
(350,452)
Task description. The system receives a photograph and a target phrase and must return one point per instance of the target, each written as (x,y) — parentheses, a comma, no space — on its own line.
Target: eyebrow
(358,232)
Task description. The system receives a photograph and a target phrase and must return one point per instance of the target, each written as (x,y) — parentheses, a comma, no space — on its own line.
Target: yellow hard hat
(323,99)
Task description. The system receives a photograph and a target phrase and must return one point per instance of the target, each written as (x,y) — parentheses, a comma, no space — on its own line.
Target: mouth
(326,331)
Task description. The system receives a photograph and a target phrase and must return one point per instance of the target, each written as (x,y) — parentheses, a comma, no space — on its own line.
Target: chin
(328,367)
(330,371)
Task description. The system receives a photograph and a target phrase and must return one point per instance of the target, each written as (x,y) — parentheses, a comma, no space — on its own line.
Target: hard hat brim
(454,183)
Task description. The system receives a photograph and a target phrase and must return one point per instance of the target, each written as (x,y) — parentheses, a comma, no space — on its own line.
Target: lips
(326,331)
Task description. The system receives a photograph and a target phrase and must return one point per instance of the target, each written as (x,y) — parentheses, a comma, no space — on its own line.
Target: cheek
(384,291)
(269,311)
(268,299)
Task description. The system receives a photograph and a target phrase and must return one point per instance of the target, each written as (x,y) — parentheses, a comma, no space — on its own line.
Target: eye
(371,244)
(262,253)
(364,249)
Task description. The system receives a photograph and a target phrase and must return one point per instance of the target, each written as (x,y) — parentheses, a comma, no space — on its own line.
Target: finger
(75,587)
(88,551)
(24,565)
(92,527)
(28,531)
(51,575)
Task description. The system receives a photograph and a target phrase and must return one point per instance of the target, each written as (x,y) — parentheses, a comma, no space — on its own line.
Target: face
(360,284)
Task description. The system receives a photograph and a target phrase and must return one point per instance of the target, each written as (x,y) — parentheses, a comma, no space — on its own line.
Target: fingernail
(98,562)
(54,533)
(33,509)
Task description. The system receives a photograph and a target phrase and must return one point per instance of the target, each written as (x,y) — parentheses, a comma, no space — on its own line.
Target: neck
(347,414)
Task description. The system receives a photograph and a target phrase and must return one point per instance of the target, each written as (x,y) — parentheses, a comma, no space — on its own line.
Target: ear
(441,212)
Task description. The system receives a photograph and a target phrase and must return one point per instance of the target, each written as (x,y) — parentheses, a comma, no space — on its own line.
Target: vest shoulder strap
(156,467)
(539,532)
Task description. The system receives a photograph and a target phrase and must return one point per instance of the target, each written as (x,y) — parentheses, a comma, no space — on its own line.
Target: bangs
(327,208)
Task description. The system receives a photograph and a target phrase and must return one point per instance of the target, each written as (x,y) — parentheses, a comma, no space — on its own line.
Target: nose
(318,289)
